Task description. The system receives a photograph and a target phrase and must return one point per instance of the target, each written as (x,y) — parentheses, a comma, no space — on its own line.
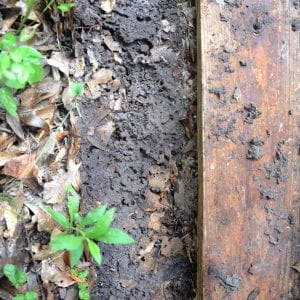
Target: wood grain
(249,119)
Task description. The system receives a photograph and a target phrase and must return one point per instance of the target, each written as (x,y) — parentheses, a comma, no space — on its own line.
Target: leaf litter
(38,155)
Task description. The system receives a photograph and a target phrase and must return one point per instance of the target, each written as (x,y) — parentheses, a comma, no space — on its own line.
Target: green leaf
(65,7)
(36,75)
(64,241)
(27,296)
(101,226)
(95,251)
(115,236)
(58,217)
(14,275)
(75,254)
(8,41)
(77,89)
(73,202)
(8,102)
(94,215)
(27,34)
(4,61)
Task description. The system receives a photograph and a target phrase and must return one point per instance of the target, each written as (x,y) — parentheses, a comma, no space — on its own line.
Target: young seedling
(66,7)
(83,287)
(17,278)
(81,231)
(19,65)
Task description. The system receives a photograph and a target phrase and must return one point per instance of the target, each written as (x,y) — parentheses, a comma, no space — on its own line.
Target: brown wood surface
(247,242)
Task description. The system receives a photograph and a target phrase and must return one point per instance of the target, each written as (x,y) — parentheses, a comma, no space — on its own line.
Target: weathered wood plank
(249,99)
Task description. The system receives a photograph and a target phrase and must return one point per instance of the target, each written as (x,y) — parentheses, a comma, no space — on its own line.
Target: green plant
(83,287)
(84,231)
(18,278)
(19,65)
(66,7)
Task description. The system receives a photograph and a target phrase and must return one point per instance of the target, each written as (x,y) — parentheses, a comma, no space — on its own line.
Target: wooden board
(249,99)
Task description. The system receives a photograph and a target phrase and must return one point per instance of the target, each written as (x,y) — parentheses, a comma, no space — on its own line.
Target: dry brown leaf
(296,266)
(107,5)
(61,61)
(15,125)
(55,190)
(106,131)
(10,216)
(51,273)
(171,246)
(158,179)
(111,44)
(21,167)
(47,88)
(43,220)
(77,67)
(40,252)
(28,117)
(102,76)
(154,222)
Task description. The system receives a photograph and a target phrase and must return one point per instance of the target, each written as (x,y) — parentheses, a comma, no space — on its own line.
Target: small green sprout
(77,89)
(80,231)
(14,275)
(83,287)
(18,278)
(19,65)
(66,7)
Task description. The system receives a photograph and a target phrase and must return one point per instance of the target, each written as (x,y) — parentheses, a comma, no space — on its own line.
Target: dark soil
(146,166)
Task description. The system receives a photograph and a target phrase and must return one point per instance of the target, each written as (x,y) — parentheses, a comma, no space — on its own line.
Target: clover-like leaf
(8,102)
(115,236)
(14,275)
(58,217)
(77,89)
(8,41)
(94,215)
(27,296)
(95,251)
(66,7)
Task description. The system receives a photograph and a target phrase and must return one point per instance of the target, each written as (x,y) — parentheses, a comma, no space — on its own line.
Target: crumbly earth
(138,147)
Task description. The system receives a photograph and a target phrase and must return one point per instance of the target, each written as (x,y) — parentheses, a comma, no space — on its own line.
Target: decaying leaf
(155,222)
(171,246)
(106,131)
(21,167)
(10,216)
(15,125)
(43,220)
(55,190)
(51,273)
(102,76)
(296,266)
(61,61)
(107,5)
(111,44)
(40,252)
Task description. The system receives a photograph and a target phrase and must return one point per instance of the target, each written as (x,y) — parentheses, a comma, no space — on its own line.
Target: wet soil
(138,148)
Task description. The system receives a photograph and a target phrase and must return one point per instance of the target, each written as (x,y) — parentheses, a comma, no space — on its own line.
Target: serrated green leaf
(73,201)
(14,275)
(115,236)
(101,226)
(8,41)
(65,7)
(95,251)
(64,241)
(36,75)
(75,254)
(94,215)
(58,217)
(8,102)
(27,296)
(4,61)
(77,89)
